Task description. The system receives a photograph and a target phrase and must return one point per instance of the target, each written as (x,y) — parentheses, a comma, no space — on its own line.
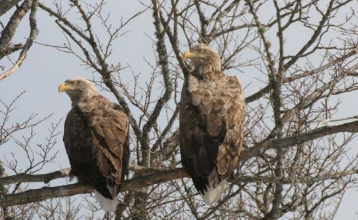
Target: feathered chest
(215,96)
(220,100)
(99,110)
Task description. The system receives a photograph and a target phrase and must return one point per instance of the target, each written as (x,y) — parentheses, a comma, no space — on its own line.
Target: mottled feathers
(96,139)
(211,127)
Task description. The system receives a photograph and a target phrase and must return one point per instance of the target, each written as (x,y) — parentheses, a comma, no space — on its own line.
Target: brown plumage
(96,140)
(211,123)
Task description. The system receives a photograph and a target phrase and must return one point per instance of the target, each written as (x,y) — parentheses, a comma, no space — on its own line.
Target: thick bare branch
(78,188)
(296,140)
(45,178)
(9,31)
(6,5)
(33,34)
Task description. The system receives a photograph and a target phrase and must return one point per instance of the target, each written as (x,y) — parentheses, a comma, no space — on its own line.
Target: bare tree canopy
(297,61)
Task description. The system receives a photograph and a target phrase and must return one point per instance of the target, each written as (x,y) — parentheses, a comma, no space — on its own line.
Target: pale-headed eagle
(96,139)
(211,122)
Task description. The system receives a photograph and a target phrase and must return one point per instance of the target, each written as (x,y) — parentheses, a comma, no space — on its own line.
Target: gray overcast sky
(45,68)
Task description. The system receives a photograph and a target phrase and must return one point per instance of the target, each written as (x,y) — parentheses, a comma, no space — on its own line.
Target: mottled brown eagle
(96,140)
(211,122)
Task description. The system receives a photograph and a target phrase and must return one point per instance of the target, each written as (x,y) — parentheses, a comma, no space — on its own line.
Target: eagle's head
(204,58)
(78,89)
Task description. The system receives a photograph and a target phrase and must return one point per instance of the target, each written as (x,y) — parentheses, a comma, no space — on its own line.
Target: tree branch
(6,5)
(9,31)
(33,34)
(63,173)
(287,142)
(37,195)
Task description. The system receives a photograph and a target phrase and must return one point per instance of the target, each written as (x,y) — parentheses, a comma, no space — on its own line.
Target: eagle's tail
(212,194)
(106,195)
(210,188)
(107,205)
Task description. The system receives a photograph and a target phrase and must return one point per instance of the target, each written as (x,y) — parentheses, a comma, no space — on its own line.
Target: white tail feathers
(212,194)
(107,205)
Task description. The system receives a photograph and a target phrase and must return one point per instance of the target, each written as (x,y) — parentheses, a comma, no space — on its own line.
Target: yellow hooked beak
(63,87)
(188,54)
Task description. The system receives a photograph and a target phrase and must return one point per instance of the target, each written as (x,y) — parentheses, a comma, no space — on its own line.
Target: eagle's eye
(75,82)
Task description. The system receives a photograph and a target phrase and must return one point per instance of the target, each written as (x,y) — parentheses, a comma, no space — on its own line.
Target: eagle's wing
(96,141)
(211,129)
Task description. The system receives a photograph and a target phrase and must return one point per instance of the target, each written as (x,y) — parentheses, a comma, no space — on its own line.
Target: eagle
(211,122)
(96,139)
